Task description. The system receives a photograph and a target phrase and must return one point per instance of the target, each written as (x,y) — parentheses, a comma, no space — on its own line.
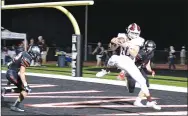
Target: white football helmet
(133,31)
(34,51)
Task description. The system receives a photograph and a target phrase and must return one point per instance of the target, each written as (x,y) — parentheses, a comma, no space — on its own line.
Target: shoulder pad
(26,61)
(142,41)
(139,41)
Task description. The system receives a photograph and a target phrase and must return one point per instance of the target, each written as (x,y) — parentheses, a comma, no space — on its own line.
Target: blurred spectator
(4,55)
(51,53)
(98,51)
(166,52)
(172,58)
(20,48)
(44,51)
(183,55)
(39,59)
(31,43)
(68,50)
(11,52)
(40,38)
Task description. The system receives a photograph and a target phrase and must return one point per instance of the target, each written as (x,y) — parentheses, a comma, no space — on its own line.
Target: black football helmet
(149,46)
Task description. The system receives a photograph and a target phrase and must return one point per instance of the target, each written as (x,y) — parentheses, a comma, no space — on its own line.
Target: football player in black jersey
(16,75)
(143,62)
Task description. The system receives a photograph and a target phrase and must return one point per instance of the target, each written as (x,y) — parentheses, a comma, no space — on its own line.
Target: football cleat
(16,108)
(154,105)
(102,73)
(139,104)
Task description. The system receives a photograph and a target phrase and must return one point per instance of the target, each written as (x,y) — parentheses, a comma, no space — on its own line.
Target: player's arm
(124,42)
(94,51)
(22,75)
(113,47)
(118,40)
(148,67)
(102,50)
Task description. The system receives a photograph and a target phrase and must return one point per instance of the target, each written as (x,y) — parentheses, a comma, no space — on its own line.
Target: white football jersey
(138,42)
(132,43)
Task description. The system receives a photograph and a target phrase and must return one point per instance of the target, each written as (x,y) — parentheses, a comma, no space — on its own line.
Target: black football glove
(27,89)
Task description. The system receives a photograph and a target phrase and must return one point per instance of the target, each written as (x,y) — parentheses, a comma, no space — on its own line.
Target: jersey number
(125,52)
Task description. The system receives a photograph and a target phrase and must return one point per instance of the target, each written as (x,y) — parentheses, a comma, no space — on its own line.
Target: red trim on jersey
(26,63)
(12,78)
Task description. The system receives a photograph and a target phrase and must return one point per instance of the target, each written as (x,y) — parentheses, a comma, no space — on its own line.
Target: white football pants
(128,65)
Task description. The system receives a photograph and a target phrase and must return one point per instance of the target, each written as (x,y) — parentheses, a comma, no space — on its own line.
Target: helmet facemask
(149,46)
(133,31)
(133,35)
(149,49)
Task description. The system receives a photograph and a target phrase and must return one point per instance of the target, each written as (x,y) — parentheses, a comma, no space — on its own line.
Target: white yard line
(106,81)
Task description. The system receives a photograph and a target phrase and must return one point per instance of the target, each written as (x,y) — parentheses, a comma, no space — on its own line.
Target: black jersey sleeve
(25,60)
(148,58)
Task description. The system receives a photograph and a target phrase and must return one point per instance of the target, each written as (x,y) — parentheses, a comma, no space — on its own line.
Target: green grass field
(158,79)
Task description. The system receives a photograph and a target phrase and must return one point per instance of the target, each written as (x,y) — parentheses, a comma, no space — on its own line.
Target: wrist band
(25,84)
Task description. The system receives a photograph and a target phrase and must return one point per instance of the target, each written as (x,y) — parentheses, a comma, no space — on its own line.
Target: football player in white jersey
(130,44)
(133,32)
(133,36)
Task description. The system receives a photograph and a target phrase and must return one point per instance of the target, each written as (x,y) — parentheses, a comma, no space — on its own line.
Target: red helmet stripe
(138,28)
(132,27)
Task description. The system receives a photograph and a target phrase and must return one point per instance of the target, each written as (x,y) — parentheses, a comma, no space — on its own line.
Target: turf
(158,79)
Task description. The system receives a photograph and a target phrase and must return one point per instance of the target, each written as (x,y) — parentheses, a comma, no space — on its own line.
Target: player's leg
(109,66)
(130,84)
(141,95)
(22,96)
(145,76)
(14,78)
(99,60)
(128,65)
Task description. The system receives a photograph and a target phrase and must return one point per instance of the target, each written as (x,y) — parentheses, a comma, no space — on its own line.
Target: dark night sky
(163,22)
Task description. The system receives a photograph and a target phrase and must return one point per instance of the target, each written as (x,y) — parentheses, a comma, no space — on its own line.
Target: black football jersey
(22,59)
(143,58)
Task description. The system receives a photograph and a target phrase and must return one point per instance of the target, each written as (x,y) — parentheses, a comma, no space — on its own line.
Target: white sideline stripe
(29,84)
(100,106)
(32,86)
(57,92)
(83,102)
(106,81)
(176,113)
